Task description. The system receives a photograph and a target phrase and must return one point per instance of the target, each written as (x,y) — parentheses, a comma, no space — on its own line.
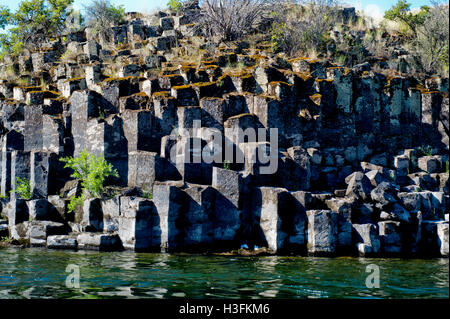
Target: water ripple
(41,273)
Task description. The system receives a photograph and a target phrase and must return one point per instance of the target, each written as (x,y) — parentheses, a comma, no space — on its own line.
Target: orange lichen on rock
(161,94)
(316,98)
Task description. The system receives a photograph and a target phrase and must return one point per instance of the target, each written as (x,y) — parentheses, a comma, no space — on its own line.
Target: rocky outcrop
(331,160)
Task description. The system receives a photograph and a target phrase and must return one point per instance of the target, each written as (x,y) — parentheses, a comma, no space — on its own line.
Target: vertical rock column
(169,203)
(198,233)
(107,138)
(84,106)
(135,223)
(322,232)
(44,171)
(229,206)
(20,168)
(278,223)
(5,186)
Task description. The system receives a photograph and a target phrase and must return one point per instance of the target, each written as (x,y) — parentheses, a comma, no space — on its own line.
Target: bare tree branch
(231,19)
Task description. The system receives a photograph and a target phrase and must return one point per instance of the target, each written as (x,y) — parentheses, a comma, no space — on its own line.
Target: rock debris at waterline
(351,179)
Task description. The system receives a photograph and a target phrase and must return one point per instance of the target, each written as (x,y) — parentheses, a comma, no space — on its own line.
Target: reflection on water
(41,273)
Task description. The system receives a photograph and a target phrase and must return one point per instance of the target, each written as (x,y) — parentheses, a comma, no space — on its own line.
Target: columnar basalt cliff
(361,157)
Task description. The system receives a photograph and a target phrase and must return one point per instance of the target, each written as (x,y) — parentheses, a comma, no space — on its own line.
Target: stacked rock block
(361,158)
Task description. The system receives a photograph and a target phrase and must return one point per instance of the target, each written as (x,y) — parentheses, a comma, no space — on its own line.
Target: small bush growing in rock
(231,19)
(68,56)
(303,25)
(92,170)
(401,12)
(429,36)
(425,150)
(23,188)
(227,165)
(148,195)
(75,201)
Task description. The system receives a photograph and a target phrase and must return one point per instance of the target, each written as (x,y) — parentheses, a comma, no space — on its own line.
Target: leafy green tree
(101,15)
(401,12)
(4,16)
(432,42)
(175,5)
(6,45)
(33,23)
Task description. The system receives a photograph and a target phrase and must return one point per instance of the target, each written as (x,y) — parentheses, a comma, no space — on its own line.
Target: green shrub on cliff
(92,170)
(303,26)
(425,150)
(401,12)
(23,188)
(148,195)
(231,19)
(75,201)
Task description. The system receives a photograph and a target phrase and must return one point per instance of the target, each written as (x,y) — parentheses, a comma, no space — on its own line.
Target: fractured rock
(322,232)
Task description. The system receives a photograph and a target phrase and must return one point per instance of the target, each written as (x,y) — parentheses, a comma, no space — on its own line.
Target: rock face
(278,222)
(322,232)
(242,149)
(442,230)
(96,241)
(359,186)
(135,223)
(390,236)
(61,242)
(367,238)
(38,231)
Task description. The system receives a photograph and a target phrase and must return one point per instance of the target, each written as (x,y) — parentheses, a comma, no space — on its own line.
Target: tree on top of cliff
(102,15)
(401,12)
(429,44)
(175,5)
(230,19)
(432,42)
(33,23)
(4,16)
(303,26)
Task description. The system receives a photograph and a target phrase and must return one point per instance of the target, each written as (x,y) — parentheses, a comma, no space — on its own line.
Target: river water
(41,273)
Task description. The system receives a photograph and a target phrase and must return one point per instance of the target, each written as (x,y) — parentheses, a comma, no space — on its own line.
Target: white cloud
(374,11)
(76,7)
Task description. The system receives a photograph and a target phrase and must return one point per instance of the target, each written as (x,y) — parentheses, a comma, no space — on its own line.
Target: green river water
(41,273)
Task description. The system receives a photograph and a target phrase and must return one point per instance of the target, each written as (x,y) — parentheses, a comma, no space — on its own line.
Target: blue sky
(130,5)
(372,8)
(385,4)
(148,5)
